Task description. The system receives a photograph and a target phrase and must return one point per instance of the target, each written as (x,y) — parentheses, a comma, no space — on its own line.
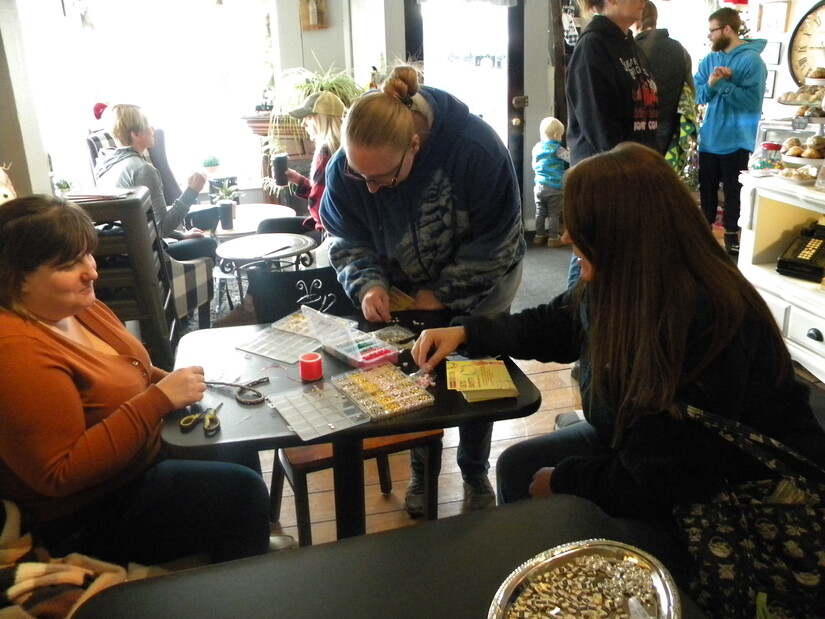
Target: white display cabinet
(774,211)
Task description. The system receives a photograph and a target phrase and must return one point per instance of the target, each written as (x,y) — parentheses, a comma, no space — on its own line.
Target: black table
(448,568)
(262,428)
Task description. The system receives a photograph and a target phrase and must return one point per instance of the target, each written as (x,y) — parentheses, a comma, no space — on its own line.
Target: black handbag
(758,548)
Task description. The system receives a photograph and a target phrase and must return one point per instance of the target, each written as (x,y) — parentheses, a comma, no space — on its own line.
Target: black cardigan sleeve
(546,333)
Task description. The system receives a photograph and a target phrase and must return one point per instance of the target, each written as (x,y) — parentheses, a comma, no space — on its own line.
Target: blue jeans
(175,509)
(473,454)
(518,463)
(574,271)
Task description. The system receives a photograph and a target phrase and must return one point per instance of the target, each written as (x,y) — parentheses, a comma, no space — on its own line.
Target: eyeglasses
(350,173)
(712,30)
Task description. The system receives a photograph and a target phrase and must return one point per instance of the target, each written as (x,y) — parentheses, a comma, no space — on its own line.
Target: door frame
(536,66)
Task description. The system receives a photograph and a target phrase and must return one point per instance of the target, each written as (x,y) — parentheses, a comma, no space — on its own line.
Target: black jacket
(662,461)
(671,67)
(611,96)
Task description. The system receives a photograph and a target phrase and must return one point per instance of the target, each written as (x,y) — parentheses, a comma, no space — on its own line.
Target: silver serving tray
(665,588)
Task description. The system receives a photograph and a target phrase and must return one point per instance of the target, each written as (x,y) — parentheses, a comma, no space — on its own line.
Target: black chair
(278,294)
(292,225)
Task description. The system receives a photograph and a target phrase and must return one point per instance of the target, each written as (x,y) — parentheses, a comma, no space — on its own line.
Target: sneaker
(479,493)
(414,499)
(575,370)
(731,240)
(555,242)
(539,239)
(282,542)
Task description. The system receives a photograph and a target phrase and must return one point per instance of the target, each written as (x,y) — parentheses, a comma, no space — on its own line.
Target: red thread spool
(310,366)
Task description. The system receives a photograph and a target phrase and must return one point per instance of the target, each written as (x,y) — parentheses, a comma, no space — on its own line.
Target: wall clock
(806,48)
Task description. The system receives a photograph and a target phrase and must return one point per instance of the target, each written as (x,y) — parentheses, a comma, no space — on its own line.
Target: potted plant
(63,187)
(294,86)
(210,164)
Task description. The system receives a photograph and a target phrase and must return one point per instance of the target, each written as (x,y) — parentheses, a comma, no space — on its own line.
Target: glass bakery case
(782,129)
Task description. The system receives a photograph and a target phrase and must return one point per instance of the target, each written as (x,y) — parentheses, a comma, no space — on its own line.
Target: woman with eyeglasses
(423,197)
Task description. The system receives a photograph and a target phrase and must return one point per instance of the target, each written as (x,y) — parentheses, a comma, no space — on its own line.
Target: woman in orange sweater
(81,407)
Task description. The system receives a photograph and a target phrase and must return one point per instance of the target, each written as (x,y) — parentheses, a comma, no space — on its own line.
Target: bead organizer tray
(279,345)
(296,322)
(353,398)
(383,391)
(354,347)
(316,410)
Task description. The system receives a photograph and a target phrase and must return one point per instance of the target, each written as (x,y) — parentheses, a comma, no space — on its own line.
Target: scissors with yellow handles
(211,422)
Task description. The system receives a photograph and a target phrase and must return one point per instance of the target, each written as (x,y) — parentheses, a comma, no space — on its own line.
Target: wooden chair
(277,294)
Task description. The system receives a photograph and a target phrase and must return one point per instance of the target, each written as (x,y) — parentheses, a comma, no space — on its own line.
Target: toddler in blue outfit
(550,159)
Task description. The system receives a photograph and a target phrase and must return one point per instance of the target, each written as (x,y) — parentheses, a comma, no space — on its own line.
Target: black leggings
(714,169)
(189,249)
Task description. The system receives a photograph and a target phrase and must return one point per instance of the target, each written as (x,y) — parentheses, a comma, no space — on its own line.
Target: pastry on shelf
(805,173)
(816,142)
(789,144)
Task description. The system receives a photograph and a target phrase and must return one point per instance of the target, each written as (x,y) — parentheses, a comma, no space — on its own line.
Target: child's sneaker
(539,239)
(555,242)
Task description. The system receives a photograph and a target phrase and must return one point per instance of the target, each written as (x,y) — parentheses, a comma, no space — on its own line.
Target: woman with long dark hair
(660,319)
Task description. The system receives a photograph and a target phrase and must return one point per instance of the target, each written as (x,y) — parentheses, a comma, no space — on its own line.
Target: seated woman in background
(126,167)
(321,116)
(81,407)
(661,319)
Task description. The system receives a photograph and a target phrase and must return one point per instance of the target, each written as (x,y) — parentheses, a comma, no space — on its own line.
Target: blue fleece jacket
(453,227)
(734,105)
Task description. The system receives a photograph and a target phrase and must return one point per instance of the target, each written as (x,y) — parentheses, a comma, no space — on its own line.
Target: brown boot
(243,314)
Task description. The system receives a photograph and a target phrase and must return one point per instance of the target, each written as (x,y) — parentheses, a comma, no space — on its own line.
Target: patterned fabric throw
(758,548)
(32,584)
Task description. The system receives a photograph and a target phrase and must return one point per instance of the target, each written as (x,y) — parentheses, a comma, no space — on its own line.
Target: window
(196,67)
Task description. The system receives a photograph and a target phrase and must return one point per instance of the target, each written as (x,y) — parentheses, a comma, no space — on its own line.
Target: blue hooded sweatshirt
(453,227)
(735,105)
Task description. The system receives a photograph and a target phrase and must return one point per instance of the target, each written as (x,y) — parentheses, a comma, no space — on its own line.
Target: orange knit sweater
(74,423)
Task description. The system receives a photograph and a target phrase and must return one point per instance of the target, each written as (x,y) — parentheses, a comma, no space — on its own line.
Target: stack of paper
(98,196)
(480,379)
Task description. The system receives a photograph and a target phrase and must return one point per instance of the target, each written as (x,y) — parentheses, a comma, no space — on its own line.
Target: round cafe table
(274,247)
(247,218)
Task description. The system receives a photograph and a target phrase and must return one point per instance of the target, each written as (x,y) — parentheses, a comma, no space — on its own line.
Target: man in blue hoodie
(731,81)
(422,196)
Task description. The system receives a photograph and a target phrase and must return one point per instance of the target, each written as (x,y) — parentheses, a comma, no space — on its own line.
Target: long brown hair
(35,231)
(654,259)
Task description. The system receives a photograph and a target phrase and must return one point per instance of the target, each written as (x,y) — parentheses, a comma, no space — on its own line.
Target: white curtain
(493,2)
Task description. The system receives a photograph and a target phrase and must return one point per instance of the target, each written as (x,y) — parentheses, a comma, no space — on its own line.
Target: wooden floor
(559,394)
